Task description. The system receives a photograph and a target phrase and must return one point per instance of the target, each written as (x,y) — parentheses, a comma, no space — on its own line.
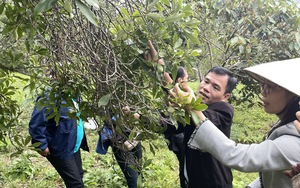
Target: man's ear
(226,96)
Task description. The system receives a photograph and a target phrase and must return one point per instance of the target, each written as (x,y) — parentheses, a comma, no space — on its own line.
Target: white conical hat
(284,73)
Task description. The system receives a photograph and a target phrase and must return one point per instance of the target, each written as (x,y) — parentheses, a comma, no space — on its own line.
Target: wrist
(197,117)
(199,113)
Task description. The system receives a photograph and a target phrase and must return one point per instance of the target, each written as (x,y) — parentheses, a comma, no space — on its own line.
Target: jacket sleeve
(37,128)
(246,157)
(254,184)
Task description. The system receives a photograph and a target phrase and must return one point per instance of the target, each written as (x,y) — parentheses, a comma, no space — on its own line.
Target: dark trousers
(180,157)
(126,159)
(70,170)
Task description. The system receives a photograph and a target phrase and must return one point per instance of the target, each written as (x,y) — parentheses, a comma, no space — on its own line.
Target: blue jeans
(70,170)
(126,158)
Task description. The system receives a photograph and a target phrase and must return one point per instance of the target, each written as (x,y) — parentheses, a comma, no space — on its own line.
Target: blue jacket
(59,139)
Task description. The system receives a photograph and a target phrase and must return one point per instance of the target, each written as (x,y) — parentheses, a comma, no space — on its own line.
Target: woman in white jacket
(280,95)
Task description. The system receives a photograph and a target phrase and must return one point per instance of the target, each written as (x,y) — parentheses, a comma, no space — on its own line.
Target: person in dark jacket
(174,135)
(128,153)
(202,169)
(61,143)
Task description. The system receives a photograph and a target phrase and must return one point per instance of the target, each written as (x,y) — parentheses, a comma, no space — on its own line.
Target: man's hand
(136,115)
(182,97)
(186,100)
(293,172)
(167,79)
(45,152)
(297,122)
(153,55)
(126,110)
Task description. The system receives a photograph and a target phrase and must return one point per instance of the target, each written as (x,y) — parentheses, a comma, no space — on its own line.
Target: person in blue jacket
(61,143)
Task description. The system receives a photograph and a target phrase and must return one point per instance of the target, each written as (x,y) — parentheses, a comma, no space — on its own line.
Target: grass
(33,171)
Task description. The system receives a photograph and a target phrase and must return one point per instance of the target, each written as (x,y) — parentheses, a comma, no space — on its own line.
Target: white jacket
(277,153)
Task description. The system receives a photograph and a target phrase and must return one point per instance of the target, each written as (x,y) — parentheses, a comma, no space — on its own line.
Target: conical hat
(284,73)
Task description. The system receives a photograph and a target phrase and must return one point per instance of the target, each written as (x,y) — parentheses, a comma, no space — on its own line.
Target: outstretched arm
(153,55)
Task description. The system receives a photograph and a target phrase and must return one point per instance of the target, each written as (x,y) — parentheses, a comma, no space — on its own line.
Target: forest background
(96,48)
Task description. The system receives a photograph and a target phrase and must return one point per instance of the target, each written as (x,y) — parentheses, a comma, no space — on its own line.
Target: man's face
(212,88)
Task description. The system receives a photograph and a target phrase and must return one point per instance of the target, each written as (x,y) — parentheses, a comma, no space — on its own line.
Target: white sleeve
(255,184)
(246,157)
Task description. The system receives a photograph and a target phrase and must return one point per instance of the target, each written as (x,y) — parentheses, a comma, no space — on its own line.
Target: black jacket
(204,171)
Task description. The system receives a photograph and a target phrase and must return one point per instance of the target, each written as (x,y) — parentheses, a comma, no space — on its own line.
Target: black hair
(290,111)
(180,73)
(232,81)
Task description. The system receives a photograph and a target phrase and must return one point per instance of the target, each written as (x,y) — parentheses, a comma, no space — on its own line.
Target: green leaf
(178,43)
(174,39)
(171,109)
(42,51)
(174,18)
(200,107)
(49,114)
(68,6)
(2,8)
(161,33)
(125,13)
(191,36)
(15,34)
(93,3)
(152,5)
(187,118)
(166,2)
(199,100)
(10,93)
(104,100)
(152,150)
(17,153)
(193,22)
(195,118)
(136,13)
(87,12)
(148,161)
(297,35)
(187,10)
(17,140)
(57,118)
(27,140)
(20,32)
(272,20)
(44,5)
(21,78)
(195,53)
(36,144)
(155,16)
(140,181)
(4,19)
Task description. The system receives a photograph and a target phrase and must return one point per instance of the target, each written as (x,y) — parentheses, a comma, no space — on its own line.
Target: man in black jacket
(202,169)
